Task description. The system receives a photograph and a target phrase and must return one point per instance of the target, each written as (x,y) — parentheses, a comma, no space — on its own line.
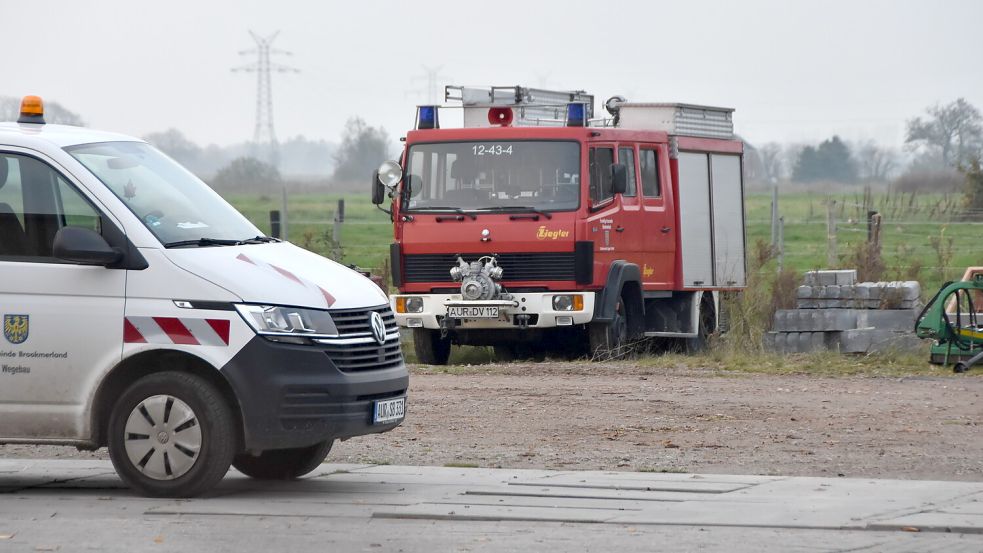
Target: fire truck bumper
(528,310)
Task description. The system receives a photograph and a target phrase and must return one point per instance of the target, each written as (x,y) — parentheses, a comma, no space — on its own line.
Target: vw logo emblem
(378,327)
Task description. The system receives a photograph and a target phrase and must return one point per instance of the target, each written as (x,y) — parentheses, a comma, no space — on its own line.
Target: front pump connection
(478,278)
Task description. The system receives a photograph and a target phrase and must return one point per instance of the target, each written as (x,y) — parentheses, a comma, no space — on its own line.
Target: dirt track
(620,416)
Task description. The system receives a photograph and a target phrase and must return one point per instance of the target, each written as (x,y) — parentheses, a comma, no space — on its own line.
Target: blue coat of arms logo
(15,328)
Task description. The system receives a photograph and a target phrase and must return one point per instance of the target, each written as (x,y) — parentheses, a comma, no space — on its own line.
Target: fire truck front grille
(515,266)
(366,354)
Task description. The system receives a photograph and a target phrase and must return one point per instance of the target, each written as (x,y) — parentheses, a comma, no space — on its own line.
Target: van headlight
(288,324)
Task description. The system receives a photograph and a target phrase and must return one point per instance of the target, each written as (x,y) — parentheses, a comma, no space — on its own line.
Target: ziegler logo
(545,234)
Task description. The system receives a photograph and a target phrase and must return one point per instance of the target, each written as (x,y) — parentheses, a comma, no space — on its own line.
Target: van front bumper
(537,306)
(295,396)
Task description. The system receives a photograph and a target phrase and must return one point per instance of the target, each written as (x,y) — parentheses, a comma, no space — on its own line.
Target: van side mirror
(619,178)
(84,246)
(378,189)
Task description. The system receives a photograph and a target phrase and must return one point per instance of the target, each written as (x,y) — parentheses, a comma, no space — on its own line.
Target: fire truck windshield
(493,175)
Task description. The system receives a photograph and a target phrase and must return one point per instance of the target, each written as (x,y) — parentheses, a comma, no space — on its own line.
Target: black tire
(283,464)
(505,354)
(430,348)
(608,340)
(705,327)
(960,367)
(202,412)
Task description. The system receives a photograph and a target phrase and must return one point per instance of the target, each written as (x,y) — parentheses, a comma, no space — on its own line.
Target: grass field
(921,238)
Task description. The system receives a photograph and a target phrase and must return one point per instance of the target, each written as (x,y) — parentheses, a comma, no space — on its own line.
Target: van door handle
(619,229)
(666,229)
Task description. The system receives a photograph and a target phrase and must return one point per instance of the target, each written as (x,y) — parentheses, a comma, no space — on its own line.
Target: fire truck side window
(649,168)
(601,160)
(626,157)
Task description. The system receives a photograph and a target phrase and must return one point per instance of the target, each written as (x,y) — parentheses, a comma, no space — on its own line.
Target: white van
(143,313)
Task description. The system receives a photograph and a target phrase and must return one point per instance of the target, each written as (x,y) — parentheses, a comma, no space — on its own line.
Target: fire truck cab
(537,226)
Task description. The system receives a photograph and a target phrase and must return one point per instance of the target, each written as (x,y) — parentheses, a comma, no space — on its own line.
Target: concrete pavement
(56,505)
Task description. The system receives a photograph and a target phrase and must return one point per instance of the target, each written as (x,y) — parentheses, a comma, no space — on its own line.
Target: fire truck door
(630,223)
(607,217)
(655,195)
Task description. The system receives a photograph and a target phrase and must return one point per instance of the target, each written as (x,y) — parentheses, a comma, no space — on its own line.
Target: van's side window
(601,160)
(649,168)
(35,202)
(626,157)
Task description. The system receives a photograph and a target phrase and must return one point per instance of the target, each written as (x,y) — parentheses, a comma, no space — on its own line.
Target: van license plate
(476,312)
(389,410)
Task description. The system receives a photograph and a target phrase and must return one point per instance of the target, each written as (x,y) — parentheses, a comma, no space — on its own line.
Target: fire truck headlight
(390,173)
(414,305)
(568,303)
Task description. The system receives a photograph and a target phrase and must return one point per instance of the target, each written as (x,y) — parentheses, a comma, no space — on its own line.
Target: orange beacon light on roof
(31,110)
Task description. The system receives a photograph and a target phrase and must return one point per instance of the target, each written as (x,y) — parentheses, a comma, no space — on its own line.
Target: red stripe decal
(287,274)
(242,257)
(131,335)
(221,327)
(176,331)
(327,296)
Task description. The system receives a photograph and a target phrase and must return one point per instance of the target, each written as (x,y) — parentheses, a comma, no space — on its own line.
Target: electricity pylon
(264,133)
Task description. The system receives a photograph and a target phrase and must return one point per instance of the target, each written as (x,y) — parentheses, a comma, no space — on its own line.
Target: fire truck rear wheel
(283,464)
(430,348)
(609,339)
(171,434)
(705,327)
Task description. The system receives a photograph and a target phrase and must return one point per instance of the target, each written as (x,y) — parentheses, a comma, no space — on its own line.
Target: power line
(264,133)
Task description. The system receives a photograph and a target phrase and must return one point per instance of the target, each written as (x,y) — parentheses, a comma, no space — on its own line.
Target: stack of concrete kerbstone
(835,312)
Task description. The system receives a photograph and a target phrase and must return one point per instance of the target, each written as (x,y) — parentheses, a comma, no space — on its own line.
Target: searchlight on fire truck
(540,227)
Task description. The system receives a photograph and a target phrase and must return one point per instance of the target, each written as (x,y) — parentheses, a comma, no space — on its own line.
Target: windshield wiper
(260,240)
(507,208)
(446,208)
(201,242)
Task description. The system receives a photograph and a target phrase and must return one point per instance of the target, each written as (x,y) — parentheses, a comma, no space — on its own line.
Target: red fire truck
(538,227)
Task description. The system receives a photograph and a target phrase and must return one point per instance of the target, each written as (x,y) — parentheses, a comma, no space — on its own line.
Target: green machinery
(950,319)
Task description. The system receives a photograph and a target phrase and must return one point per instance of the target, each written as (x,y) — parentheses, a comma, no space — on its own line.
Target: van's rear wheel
(283,464)
(171,434)
(430,348)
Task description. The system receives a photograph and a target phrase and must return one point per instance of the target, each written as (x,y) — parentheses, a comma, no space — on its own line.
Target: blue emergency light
(426,118)
(576,115)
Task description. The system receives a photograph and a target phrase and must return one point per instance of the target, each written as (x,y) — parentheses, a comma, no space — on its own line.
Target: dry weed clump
(749,313)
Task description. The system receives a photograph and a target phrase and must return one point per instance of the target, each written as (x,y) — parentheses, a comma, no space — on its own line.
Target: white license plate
(475,312)
(389,410)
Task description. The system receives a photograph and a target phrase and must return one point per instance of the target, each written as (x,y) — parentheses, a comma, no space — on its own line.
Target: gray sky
(794,70)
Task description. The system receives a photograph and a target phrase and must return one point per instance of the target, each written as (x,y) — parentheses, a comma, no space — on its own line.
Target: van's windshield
(175,205)
(493,175)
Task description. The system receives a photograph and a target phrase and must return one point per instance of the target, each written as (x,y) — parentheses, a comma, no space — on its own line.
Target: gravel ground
(622,416)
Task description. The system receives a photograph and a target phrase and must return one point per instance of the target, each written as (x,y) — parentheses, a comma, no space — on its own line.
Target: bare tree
(875,164)
(955,130)
(772,164)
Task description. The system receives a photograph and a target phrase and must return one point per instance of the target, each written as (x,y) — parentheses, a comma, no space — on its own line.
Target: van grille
(366,355)
(515,266)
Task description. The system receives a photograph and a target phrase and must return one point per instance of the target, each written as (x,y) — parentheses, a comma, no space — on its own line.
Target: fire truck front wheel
(608,339)
(430,348)
(171,434)
(283,464)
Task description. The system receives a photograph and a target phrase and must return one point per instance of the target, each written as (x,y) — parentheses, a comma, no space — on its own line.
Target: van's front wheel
(283,464)
(171,434)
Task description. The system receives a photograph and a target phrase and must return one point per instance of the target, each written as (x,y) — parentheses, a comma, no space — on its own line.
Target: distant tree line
(940,147)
